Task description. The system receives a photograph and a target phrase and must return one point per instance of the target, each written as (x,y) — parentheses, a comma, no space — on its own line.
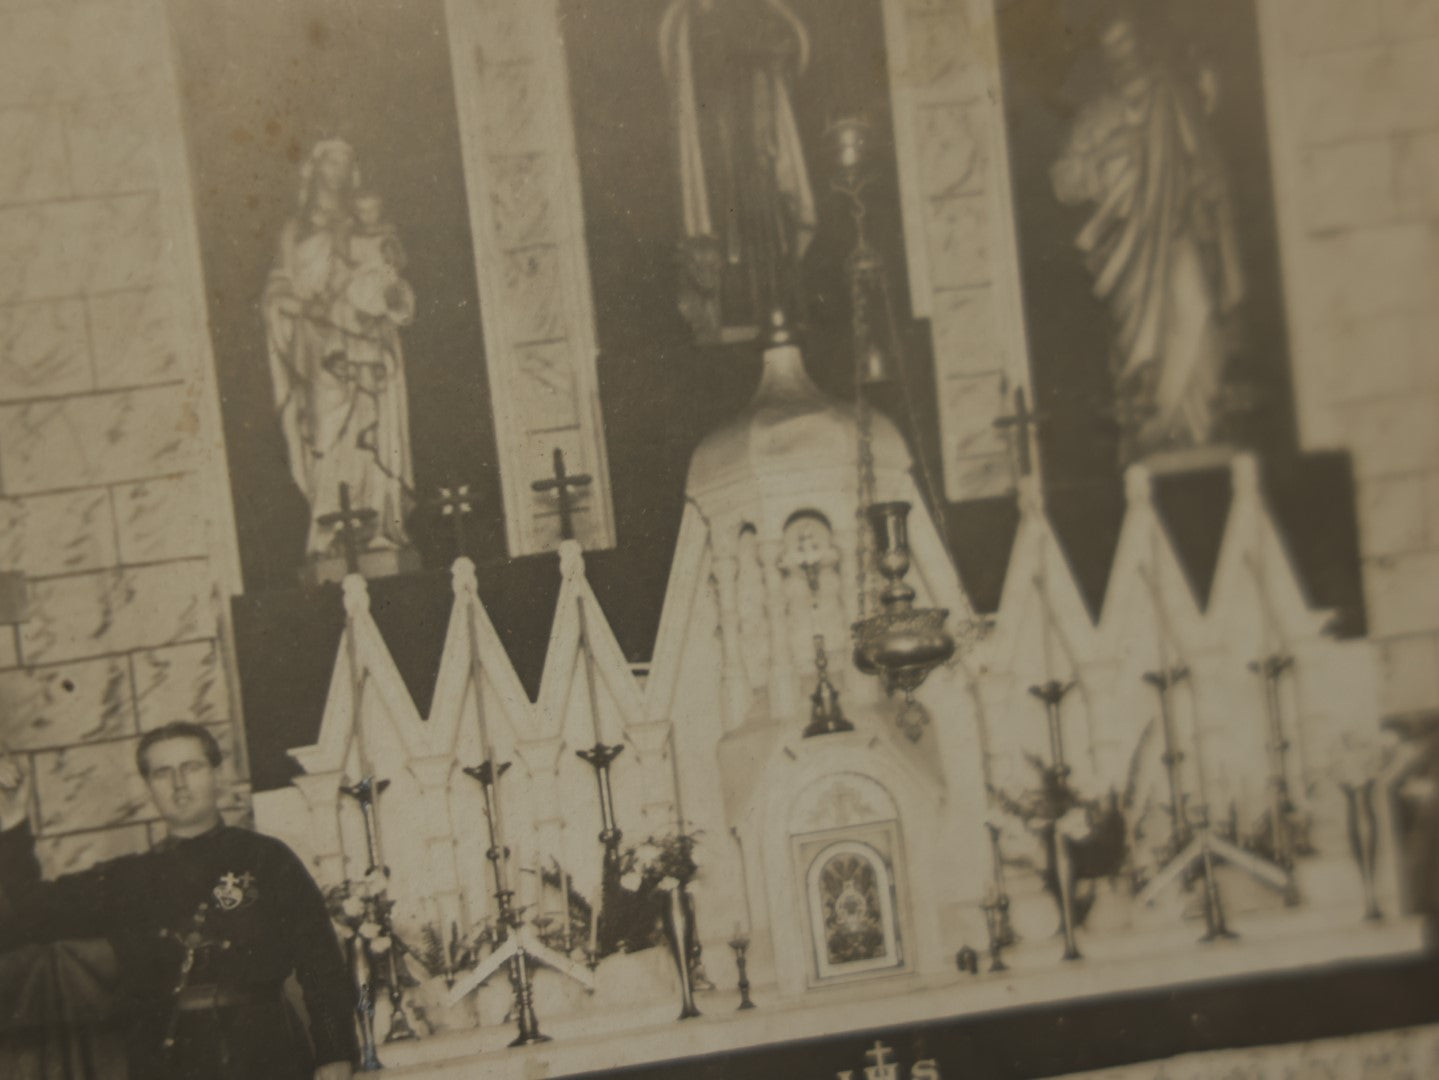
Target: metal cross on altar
(456,503)
(563,484)
(1022,420)
(348,523)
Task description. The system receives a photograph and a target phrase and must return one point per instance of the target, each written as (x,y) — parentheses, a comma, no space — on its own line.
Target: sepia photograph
(777,539)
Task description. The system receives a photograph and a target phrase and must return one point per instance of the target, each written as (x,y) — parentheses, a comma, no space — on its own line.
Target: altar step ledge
(1272,944)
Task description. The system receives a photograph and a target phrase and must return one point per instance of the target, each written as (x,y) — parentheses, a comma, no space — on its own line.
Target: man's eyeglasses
(188,771)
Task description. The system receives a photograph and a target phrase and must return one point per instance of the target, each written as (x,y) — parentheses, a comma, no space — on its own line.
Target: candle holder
(996,917)
(740,944)
(508,919)
(600,757)
(826,716)
(1364,841)
(998,888)
(1064,880)
(364,1005)
(366,791)
(677,919)
(397,979)
(1052,693)
(1271,670)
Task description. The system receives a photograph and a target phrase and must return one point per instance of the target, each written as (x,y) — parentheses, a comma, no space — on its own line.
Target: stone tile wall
(106,467)
(1353,89)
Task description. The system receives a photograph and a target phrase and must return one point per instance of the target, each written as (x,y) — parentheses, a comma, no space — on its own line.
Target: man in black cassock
(206,927)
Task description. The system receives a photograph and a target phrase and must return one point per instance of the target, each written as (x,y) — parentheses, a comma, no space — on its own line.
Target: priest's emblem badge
(234,891)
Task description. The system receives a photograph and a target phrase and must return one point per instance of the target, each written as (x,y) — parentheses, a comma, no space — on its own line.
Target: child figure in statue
(376,289)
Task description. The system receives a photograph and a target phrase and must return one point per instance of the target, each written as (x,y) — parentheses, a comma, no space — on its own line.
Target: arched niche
(854,926)
(848,862)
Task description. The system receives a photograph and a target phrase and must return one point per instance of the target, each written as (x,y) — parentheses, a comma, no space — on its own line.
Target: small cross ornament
(349,523)
(1019,427)
(564,485)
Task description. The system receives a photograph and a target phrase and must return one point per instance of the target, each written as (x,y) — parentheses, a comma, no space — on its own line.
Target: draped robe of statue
(337,369)
(747,208)
(1162,248)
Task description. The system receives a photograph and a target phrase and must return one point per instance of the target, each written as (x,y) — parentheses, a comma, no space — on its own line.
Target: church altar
(859,859)
(758,1040)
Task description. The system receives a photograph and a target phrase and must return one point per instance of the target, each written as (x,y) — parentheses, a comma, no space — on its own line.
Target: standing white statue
(333,306)
(1161,242)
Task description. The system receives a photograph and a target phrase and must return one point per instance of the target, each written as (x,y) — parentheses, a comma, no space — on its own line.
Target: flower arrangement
(635,892)
(361,911)
(662,863)
(448,956)
(1094,828)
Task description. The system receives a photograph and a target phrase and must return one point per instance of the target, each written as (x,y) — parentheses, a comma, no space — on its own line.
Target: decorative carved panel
(517,138)
(959,235)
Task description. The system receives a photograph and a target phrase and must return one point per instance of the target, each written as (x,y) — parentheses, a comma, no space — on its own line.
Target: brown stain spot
(242,136)
(272,127)
(252,202)
(189,421)
(317,33)
(293,151)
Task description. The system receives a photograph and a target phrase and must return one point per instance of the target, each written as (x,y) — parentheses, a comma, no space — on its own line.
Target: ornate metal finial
(462,577)
(572,559)
(356,593)
(1138,484)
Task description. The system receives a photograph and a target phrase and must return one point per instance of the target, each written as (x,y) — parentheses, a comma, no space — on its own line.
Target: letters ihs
(882,1066)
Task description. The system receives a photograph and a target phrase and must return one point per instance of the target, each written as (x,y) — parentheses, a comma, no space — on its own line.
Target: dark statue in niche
(333,306)
(747,208)
(1161,243)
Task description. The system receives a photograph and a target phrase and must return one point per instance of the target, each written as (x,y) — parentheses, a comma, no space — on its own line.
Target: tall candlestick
(600,758)
(744,883)
(586,649)
(593,949)
(601,755)
(509,921)
(675,780)
(1164,680)
(565,885)
(1271,670)
(364,792)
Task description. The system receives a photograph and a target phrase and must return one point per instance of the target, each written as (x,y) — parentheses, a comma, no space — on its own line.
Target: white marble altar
(713,730)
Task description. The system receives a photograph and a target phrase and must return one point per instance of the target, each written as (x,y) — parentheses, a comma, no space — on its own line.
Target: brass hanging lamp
(900,643)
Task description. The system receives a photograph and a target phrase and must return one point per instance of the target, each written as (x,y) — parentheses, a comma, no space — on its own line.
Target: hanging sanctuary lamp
(899,643)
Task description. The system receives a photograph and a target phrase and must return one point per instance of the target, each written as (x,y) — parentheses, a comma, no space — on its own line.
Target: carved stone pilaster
(959,230)
(724,571)
(783,684)
(658,799)
(435,776)
(753,608)
(321,792)
(522,173)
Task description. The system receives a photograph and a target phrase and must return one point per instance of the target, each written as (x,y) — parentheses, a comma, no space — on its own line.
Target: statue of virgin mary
(747,208)
(333,306)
